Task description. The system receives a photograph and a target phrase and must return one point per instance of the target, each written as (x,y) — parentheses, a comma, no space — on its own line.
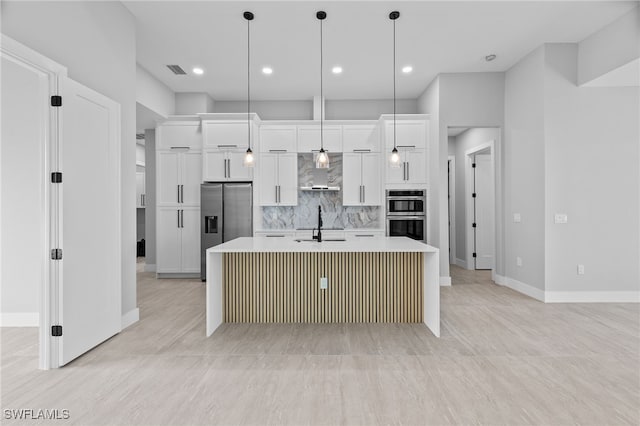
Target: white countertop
(286,245)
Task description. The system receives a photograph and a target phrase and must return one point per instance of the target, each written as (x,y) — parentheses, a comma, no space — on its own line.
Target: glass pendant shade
(394,159)
(322,159)
(249,159)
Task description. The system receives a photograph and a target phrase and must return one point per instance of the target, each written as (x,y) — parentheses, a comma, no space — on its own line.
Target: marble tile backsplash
(334,214)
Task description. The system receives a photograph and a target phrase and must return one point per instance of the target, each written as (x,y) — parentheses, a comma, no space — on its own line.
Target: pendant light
(395,156)
(249,159)
(322,159)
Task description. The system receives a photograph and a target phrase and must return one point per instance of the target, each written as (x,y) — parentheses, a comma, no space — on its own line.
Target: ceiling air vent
(177,70)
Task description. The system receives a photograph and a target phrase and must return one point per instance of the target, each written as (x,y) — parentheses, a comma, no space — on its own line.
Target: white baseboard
(20,319)
(592,297)
(569,296)
(445,281)
(520,287)
(150,268)
(461,263)
(130,318)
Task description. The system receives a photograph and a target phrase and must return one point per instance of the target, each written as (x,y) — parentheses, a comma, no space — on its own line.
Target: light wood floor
(503,359)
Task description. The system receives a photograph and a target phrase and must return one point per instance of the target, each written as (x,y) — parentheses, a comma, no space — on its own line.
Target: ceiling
(455,131)
(432,37)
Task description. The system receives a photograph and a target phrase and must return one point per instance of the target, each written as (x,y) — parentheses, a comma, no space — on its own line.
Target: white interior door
(484,212)
(90,278)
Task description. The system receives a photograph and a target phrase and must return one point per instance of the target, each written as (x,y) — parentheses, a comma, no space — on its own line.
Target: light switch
(518,261)
(561,218)
(580,269)
(517,218)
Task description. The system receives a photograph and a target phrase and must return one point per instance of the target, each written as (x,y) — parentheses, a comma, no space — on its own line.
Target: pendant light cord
(321,93)
(248,85)
(394,84)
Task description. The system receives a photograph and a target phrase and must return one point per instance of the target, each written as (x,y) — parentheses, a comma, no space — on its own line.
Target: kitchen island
(376,279)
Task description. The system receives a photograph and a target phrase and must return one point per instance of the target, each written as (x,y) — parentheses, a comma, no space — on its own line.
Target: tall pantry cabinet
(178,179)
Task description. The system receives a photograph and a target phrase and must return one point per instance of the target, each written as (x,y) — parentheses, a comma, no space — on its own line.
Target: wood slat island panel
(375,287)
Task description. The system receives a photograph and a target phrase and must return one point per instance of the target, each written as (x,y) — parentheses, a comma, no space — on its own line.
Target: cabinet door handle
(275,236)
(228,146)
(362,150)
(408,173)
(178,211)
(279,198)
(276,188)
(363,194)
(181,218)
(178,193)
(182,193)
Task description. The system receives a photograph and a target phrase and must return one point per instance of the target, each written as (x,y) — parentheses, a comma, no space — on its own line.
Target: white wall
(334,110)
(368,109)
(429,103)
(465,141)
(188,103)
(270,110)
(613,46)
(96,41)
(524,169)
(592,173)
(154,94)
(458,100)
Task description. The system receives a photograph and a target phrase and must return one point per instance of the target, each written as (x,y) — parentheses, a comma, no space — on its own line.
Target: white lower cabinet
(178,239)
(327,234)
(275,234)
(413,167)
(278,184)
(356,234)
(361,179)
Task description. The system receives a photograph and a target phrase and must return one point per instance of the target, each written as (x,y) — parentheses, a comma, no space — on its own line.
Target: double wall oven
(406,213)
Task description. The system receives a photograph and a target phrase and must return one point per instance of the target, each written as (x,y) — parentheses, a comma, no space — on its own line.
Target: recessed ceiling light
(407,69)
(267,70)
(198,71)
(337,69)
(490,58)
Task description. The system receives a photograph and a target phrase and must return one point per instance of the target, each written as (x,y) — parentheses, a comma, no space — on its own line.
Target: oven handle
(408,197)
(405,217)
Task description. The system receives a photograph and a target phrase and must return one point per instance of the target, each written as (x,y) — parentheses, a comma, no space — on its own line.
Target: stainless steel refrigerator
(227,213)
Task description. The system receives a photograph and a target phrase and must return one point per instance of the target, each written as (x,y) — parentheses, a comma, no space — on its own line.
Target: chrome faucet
(318,236)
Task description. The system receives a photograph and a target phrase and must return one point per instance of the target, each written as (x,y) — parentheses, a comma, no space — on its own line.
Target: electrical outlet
(561,218)
(518,261)
(324,283)
(517,218)
(580,269)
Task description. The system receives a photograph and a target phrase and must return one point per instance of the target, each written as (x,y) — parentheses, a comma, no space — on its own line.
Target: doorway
(472,198)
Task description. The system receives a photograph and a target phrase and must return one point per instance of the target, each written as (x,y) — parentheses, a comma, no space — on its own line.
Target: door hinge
(56,330)
(474,255)
(473,165)
(473,225)
(56,177)
(473,195)
(56,101)
(56,254)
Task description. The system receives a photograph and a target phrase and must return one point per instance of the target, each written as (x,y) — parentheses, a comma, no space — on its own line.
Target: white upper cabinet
(362,183)
(309,138)
(219,165)
(278,138)
(140,194)
(179,134)
(226,134)
(278,184)
(179,175)
(410,134)
(361,138)
(413,167)
(225,144)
